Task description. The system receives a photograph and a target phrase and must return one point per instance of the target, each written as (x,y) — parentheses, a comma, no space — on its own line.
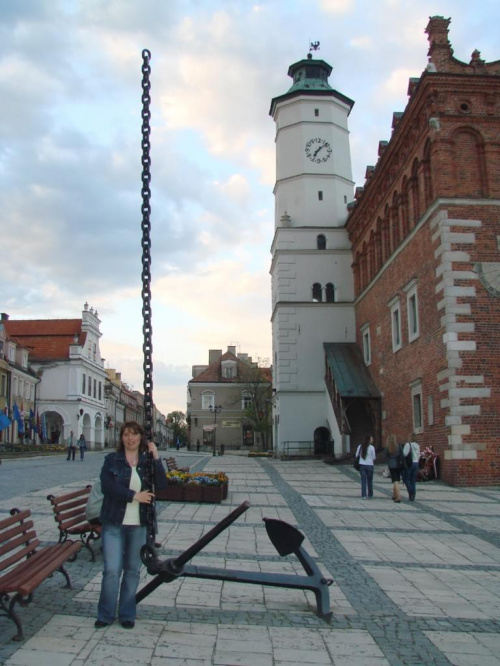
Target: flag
(18,418)
(44,427)
(4,421)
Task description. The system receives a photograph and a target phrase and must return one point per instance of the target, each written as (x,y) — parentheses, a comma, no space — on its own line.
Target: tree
(258,387)
(177,421)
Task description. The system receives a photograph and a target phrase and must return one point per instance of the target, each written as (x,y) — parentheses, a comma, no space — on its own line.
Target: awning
(349,371)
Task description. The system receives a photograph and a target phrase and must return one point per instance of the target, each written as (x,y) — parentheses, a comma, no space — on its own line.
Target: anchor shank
(188,554)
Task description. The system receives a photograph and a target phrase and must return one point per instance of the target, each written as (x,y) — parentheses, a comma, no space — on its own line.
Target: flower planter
(192,493)
(211,494)
(170,494)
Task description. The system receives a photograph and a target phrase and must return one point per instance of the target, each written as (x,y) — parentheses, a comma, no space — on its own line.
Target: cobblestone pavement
(414,583)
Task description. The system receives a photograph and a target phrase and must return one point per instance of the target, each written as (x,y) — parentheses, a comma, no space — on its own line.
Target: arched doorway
(322,441)
(54,433)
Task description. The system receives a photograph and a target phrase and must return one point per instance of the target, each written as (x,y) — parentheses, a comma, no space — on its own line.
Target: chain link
(148,553)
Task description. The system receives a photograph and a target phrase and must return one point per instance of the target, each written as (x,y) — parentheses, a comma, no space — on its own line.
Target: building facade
(425,233)
(65,354)
(229,403)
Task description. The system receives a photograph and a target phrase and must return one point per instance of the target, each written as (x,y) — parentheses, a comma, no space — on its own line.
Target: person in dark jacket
(394,456)
(123,519)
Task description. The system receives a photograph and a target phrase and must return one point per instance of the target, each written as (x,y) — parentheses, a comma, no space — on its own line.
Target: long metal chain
(146,247)
(148,552)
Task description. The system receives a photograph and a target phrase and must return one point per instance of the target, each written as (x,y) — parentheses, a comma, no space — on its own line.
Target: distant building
(65,353)
(18,387)
(229,403)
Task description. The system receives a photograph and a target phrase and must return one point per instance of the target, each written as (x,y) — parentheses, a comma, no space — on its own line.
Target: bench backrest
(17,538)
(69,509)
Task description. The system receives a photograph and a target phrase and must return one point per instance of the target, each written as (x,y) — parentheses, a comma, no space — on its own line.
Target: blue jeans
(121,548)
(410,479)
(366,472)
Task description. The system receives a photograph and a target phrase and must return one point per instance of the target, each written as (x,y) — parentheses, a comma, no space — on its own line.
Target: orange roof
(214,371)
(46,339)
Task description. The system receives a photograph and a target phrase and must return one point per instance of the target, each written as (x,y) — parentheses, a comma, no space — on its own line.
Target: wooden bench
(172,465)
(69,514)
(25,565)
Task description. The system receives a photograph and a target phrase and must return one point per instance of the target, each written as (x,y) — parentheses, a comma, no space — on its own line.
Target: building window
(1,348)
(12,353)
(396,325)
(320,196)
(95,388)
(3,386)
(330,293)
(321,242)
(416,402)
(207,400)
(14,386)
(95,351)
(246,401)
(83,383)
(317,294)
(100,391)
(89,387)
(25,359)
(316,112)
(412,308)
(229,370)
(367,350)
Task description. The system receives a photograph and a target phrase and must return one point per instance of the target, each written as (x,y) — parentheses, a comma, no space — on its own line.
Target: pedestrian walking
(124,519)
(82,445)
(394,455)
(410,474)
(198,445)
(366,454)
(71,446)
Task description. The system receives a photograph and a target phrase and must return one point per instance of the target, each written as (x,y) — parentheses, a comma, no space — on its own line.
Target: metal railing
(307,448)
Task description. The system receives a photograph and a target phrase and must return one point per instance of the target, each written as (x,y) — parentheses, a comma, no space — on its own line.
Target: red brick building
(425,234)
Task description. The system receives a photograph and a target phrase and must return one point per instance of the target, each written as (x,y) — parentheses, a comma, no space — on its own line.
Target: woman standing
(410,476)
(394,460)
(366,454)
(82,444)
(123,518)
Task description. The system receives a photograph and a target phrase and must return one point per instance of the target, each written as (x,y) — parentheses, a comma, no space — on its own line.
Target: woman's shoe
(398,501)
(128,624)
(100,624)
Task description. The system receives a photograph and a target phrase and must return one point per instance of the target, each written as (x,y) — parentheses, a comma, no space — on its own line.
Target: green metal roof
(349,370)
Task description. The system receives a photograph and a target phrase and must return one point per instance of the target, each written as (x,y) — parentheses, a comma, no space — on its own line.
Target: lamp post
(215,410)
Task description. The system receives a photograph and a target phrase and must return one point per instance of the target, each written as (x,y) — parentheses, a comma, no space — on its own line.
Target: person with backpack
(394,455)
(411,453)
(366,454)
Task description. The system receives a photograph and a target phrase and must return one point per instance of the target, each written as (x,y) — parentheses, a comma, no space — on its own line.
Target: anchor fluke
(284,537)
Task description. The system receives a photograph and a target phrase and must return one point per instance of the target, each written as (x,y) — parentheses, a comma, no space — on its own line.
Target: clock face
(318,150)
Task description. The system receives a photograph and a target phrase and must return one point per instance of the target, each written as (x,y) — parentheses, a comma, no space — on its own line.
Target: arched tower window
(317,293)
(330,292)
(321,242)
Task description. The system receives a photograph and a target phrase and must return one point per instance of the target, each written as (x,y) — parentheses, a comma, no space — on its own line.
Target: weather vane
(313,46)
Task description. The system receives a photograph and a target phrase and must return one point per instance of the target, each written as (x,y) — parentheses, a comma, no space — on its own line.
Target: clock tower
(312,279)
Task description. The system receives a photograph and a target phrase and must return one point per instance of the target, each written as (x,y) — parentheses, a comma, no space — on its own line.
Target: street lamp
(215,410)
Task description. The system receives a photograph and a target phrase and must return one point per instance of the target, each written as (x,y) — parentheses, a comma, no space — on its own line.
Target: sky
(70,155)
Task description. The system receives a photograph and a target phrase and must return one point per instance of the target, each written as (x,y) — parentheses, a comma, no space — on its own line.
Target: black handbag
(356,463)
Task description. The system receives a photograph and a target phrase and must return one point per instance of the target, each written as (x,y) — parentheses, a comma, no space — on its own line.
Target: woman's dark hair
(365,445)
(137,429)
